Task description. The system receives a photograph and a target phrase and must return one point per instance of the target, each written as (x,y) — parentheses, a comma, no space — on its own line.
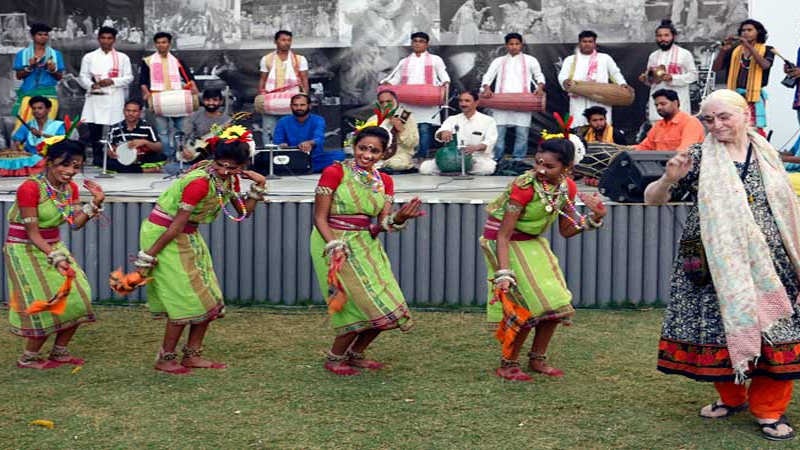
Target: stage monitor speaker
(630,172)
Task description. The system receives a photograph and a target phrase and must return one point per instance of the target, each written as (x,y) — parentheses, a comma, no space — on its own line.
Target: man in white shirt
(476,132)
(514,72)
(105,74)
(283,73)
(587,64)
(421,67)
(677,65)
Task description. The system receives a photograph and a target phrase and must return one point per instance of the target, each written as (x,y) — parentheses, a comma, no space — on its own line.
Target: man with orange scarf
(598,129)
(748,66)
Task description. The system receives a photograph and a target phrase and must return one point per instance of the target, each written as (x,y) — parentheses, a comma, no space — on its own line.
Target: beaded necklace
(368,178)
(62,199)
(223,195)
(550,196)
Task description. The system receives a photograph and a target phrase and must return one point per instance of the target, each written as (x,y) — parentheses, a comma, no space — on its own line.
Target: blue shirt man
(305,131)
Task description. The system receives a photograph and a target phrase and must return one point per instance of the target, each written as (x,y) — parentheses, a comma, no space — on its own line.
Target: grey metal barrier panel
(437,261)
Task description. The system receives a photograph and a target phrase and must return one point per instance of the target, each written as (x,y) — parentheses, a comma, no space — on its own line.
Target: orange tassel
(58,303)
(338,298)
(505,335)
(123,284)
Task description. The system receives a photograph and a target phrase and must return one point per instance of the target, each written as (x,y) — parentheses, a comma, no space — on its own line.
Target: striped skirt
(540,289)
(184,288)
(374,299)
(31,278)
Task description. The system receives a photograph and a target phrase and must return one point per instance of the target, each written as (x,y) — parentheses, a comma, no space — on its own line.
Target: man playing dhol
(514,72)
(421,67)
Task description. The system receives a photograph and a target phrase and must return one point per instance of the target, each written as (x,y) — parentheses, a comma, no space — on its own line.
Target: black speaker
(630,172)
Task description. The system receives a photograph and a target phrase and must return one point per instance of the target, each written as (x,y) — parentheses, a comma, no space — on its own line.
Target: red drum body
(519,101)
(418,94)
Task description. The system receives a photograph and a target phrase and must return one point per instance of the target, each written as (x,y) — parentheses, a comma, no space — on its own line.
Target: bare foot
(512,373)
(171,366)
(538,365)
(196,362)
(341,368)
(40,364)
(365,364)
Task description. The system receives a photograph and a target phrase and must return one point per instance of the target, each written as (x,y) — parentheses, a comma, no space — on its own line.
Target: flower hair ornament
(233,133)
(69,124)
(381,114)
(565,125)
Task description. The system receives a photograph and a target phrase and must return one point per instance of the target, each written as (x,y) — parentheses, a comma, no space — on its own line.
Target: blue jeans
(268,122)
(162,125)
(520,142)
(425,139)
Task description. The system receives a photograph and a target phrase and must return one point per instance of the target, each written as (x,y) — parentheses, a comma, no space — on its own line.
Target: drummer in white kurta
(680,69)
(474,130)
(513,73)
(421,67)
(282,71)
(105,74)
(587,64)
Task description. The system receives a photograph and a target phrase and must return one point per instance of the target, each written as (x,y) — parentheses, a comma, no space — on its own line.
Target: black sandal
(729,410)
(774,426)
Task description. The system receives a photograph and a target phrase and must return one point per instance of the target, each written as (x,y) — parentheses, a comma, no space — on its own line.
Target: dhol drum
(519,101)
(126,154)
(275,103)
(605,93)
(597,159)
(448,158)
(175,103)
(418,94)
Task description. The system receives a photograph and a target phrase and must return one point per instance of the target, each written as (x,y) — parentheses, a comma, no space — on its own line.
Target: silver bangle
(508,278)
(389,224)
(144,260)
(256,192)
(398,226)
(501,272)
(55,257)
(592,223)
(336,244)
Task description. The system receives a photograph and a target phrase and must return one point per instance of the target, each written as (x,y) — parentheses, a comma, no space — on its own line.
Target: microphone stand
(106,148)
(460,146)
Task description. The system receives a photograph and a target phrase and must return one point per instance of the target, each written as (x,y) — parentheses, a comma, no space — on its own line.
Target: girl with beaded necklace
(353,204)
(528,289)
(37,261)
(183,286)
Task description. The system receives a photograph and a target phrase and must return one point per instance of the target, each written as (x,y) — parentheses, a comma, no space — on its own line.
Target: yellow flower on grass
(43,423)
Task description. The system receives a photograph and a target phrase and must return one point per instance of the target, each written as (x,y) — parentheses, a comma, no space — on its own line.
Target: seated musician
(306,131)
(27,138)
(403,129)
(476,131)
(676,130)
(598,129)
(41,126)
(135,132)
(199,125)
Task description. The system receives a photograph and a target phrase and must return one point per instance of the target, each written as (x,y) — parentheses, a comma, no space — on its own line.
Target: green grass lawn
(439,390)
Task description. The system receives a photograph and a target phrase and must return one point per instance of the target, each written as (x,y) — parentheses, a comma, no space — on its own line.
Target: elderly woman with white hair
(733,312)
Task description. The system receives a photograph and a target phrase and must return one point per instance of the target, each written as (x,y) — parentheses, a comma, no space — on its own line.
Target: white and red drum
(175,103)
(417,94)
(275,103)
(518,101)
